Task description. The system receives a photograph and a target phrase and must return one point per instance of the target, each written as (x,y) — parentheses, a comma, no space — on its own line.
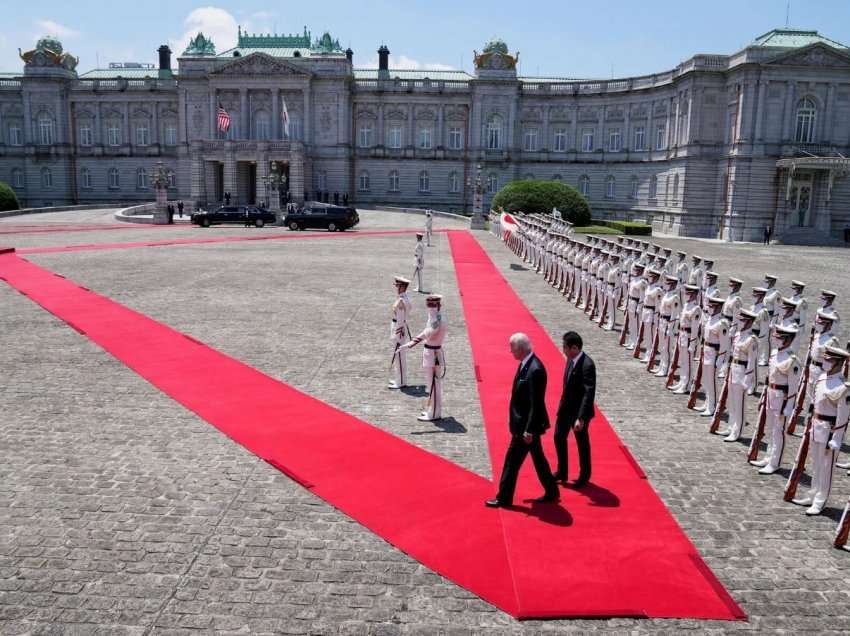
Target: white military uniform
(637,288)
(715,345)
(668,320)
(829,422)
(783,382)
(761,328)
(612,296)
(433,362)
(819,344)
(399,336)
(649,317)
(429,227)
(741,380)
(689,326)
(419,265)
(802,312)
(730,310)
(771,297)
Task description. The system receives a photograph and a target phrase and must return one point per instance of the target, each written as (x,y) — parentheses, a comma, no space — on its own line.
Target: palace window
(262,126)
(424,181)
(660,137)
(653,187)
(560,141)
(170,135)
(587,140)
(395,137)
(364,136)
(114,178)
(141,178)
(805,129)
(614,143)
(530,140)
(494,133)
(363,182)
(633,190)
(85,179)
(143,135)
(85,135)
(584,185)
(425,138)
(454,182)
(46,178)
(492,182)
(455,138)
(610,187)
(394,181)
(640,138)
(17,178)
(172,179)
(676,189)
(45,131)
(113,134)
(15,136)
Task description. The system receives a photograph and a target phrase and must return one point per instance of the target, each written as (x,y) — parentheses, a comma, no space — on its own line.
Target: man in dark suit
(576,408)
(528,421)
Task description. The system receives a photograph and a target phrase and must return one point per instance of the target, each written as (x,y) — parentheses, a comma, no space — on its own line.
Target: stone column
(411,134)
(244,115)
(439,134)
(626,141)
(667,124)
(760,105)
(213,118)
(276,122)
(196,186)
(263,193)
(97,133)
(788,113)
(296,173)
(545,133)
(600,136)
(128,139)
(379,134)
(229,182)
(826,131)
(574,131)
(308,128)
(675,132)
(155,124)
(29,133)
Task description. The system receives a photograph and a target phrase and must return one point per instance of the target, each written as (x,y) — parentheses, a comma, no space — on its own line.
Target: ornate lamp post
(160,178)
(273,182)
(477,222)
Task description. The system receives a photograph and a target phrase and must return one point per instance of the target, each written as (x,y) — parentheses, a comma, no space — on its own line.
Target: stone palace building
(720,145)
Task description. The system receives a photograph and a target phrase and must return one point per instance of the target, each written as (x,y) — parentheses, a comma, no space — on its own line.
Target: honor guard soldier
(697,271)
(608,318)
(682,272)
(827,427)
(637,288)
(783,381)
(827,300)
(731,307)
(772,296)
(802,312)
(668,320)
(419,263)
(786,317)
(686,342)
(761,327)
(715,345)
(433,358)
(709,290)
(741,380)
(823,338)
(429,226)
(400,332)
(649,315)
(668,262)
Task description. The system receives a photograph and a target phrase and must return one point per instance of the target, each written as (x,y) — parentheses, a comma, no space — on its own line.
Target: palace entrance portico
(806,185)
(242,169)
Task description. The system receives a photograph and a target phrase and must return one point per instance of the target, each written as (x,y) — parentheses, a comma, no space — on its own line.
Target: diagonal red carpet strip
(610,549)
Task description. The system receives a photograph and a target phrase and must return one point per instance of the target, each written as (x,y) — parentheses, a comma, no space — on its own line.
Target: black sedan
(240,214)
(333,218)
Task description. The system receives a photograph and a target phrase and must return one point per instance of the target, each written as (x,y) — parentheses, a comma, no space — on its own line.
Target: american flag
(285,117)
(223,119)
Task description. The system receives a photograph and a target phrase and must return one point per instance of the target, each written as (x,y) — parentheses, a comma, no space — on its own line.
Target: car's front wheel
(205,222)
(259,222)
(331,227)
(294,226)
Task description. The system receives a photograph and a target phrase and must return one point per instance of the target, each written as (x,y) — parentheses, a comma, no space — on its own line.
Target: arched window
(394,181)
(676,189)
(493,133)
(45,130)
(17,178)
(492,182)
(633,190)
(610,187)
(113,133)
(584,185)
(262,126)
(363,182)
(143,135)
(454,182)
(557,178)
(114,178)
(172,179)
(806,114)
(364,135)
(85,178)
(424,181)
(46,178)
(653,187)
(141,178)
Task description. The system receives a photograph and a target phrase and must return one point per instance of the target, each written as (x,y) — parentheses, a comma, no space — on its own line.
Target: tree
(8,200)
(533,196)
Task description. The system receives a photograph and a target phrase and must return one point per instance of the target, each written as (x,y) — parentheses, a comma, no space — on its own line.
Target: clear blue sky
(557,38)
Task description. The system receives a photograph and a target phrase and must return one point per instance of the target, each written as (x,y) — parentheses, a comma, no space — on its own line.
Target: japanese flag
(508,225)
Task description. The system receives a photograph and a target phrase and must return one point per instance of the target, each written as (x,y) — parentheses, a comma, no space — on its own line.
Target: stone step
(811,237)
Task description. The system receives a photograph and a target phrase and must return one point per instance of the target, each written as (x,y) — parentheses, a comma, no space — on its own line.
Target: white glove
(833,445)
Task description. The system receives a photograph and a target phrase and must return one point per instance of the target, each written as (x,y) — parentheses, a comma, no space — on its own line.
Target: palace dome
(496,45)
(48,43)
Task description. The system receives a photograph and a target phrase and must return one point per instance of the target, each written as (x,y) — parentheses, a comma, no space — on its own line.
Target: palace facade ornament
(201,46)
(260,64)
(495,57)
(48,52)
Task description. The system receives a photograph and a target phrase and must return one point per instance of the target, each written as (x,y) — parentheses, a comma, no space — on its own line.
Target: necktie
(569,369)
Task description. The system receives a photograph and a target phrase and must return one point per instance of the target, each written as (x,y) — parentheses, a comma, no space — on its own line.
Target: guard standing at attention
(433,358)
(419,261)
(400,332)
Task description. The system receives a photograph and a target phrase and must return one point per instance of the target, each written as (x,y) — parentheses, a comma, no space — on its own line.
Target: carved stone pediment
(425,114)
(260,64)
(813,55)
(559,113)
(395,114)
(614,113)
(366,113)
(532,114)
(456,114)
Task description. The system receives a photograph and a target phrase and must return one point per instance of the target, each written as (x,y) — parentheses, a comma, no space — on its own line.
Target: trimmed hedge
(596,229)
(627,227)
(8,199)
(533,196)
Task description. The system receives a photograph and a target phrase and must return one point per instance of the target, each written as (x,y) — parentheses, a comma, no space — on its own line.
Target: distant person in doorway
(226,198)
(180,209)
(768,232)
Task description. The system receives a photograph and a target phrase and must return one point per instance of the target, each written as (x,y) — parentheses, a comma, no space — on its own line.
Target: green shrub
(8,200)
(596,229)
(627,227)
(539,197)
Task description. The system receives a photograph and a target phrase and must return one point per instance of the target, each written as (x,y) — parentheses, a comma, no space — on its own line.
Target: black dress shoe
(579,483)
(494,503)
(559,477)
(552,496)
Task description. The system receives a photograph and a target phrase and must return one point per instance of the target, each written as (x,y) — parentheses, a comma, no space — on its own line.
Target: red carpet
(611,549)
(545,564)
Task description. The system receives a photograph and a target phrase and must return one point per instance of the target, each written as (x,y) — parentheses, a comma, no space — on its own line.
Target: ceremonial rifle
(625,331)
(654,350)
(801,392)
(675,365)
(636,354)
(799,463)
(720,409)
(843,530)
(755,442)
(604,312)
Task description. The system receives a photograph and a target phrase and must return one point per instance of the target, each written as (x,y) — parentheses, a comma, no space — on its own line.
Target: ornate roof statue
(326,45)
(495,57)
(200,45)
(48,52)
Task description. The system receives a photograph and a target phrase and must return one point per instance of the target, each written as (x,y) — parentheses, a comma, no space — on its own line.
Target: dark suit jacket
(579,393)
(528,405)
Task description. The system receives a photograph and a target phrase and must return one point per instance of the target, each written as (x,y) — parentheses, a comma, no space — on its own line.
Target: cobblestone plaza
(123,512)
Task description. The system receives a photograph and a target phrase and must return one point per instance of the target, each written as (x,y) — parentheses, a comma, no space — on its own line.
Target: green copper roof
(436,76)
(126,73)
(269,41)
(268,50)
(200,45)
(794,38)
